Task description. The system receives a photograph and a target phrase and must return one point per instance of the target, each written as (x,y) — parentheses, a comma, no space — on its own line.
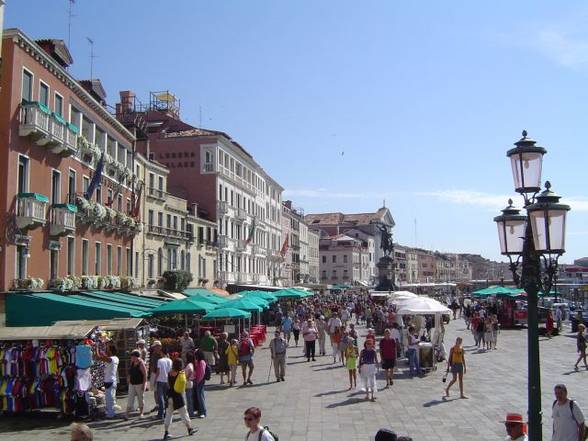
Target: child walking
(351,354)
(233,360)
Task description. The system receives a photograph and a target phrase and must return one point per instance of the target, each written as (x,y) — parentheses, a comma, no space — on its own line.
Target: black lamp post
(540,234)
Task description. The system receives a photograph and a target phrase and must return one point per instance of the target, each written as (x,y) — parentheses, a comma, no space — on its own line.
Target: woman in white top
(257,432)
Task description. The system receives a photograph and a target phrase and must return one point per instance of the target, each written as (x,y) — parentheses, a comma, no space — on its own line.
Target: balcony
(221,208)
(156,193)
(241,214)
(223,241)
(35,122)
(241,245)
(63,219)
(255,278)
(208,167)
(170,233)
(30,209)
(67,136)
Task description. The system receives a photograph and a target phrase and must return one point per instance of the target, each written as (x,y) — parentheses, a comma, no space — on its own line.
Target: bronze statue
(386,240)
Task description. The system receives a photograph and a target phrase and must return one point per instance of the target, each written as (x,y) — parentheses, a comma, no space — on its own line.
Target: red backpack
(244,348)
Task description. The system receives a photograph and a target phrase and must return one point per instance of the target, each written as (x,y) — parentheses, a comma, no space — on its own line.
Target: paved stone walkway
(314,404)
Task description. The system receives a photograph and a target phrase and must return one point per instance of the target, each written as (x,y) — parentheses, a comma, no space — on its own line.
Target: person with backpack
(246,351)
(174,397)
(568,419)
(257,432)
(202,372)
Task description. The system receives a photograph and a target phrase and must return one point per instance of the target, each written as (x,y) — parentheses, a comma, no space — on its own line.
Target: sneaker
(192,431)
(201,416)
(283,379)
(166,435)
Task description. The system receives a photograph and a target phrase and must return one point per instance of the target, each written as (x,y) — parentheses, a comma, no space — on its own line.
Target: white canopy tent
(420,306)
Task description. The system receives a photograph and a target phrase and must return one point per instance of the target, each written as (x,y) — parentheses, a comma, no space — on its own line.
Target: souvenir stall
(229,320)
(40,369)
(124,333)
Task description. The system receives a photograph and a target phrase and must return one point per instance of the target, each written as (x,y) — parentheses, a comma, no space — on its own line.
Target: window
(129,262)
(21,261)
(119,202)
(84,257)
(118,261)
(344,258)
(53,264)
(23,174)
(122,154)
(182,260)
(88,129)
(160,183)
(159,262)
(55,187)
(99,194)
(334,257)
(160,219)
(44,94)
(168,221)
(71,256)
(136,267)
(169,259)
(98,257)
(151,180)
(71,185)
(109,196)
(150,217)
(85,184)
(108,259)
(75,116)
(58,104)
(27,86)
(150,266)
(188,262)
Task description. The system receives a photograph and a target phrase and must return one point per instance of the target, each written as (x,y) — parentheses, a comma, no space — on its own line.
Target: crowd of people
(320,326)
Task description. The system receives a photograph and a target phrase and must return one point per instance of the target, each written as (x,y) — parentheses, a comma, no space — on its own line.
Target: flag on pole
(95,182)
(137,205)
(251,233)
(285,247)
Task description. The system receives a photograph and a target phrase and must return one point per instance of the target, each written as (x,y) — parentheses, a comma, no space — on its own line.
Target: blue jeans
(161,398)
(190,402)
(413,362)
(200,398)
(109,396)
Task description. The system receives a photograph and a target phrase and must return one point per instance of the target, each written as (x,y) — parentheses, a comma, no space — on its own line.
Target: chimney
(94,88)
(127,101)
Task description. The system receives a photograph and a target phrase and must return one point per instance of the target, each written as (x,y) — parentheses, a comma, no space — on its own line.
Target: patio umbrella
(185,306)
(290,293)
(244,304)
(258,301)
(261,294)
(215,300)
(422,305)
(226,313)
(496,290)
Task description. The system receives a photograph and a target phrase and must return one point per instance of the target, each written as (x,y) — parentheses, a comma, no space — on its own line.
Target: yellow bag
(180,384)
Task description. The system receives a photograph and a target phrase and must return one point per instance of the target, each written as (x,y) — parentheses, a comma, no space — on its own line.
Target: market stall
(231,319)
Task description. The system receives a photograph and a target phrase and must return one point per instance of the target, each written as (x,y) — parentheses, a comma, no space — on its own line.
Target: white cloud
(566,48)
(494,201)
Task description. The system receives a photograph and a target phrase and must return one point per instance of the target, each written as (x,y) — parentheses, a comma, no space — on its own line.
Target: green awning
(125,298)
(115,303)
(73,128)
(258,301)
(69,207)
(59,118)
(185,306)
(44,309)
(38,196)
(226,313)
(498,291)
(291,293)
(269,297)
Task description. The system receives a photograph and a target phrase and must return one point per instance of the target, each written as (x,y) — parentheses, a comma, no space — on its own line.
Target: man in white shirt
(110,378)
(164,365)
(334,323)
(568,419)
(559,317)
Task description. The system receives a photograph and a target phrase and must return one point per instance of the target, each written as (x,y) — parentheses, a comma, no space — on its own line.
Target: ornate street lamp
(539,234)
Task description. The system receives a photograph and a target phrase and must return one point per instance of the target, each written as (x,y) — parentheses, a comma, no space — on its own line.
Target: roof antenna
(70,15)
(92,56)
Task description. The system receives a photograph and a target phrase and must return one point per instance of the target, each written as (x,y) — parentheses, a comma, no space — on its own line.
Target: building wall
(42,162)
(313,256)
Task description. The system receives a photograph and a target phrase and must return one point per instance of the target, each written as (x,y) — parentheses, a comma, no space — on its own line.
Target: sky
(349,104)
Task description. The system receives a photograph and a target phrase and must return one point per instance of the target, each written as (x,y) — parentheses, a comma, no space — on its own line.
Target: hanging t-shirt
(83,356)
(110,370)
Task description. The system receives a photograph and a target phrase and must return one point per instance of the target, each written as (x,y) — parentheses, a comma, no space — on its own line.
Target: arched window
(188,257)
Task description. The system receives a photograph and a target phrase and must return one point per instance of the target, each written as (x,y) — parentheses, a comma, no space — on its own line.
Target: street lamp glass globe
(548,222)
(526,161)
(511,230)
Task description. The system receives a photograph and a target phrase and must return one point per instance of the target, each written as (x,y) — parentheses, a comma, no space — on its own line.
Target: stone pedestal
(385,274)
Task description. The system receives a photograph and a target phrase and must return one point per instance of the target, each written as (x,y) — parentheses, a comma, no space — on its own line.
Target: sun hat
(514,418)
(136,353)
(141,342)
(156,343)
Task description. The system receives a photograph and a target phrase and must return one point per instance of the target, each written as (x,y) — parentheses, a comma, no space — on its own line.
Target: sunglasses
(248,418)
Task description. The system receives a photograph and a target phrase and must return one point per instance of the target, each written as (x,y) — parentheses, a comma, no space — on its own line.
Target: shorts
(209,358)
(246,361)
(388,363)
(457,368)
